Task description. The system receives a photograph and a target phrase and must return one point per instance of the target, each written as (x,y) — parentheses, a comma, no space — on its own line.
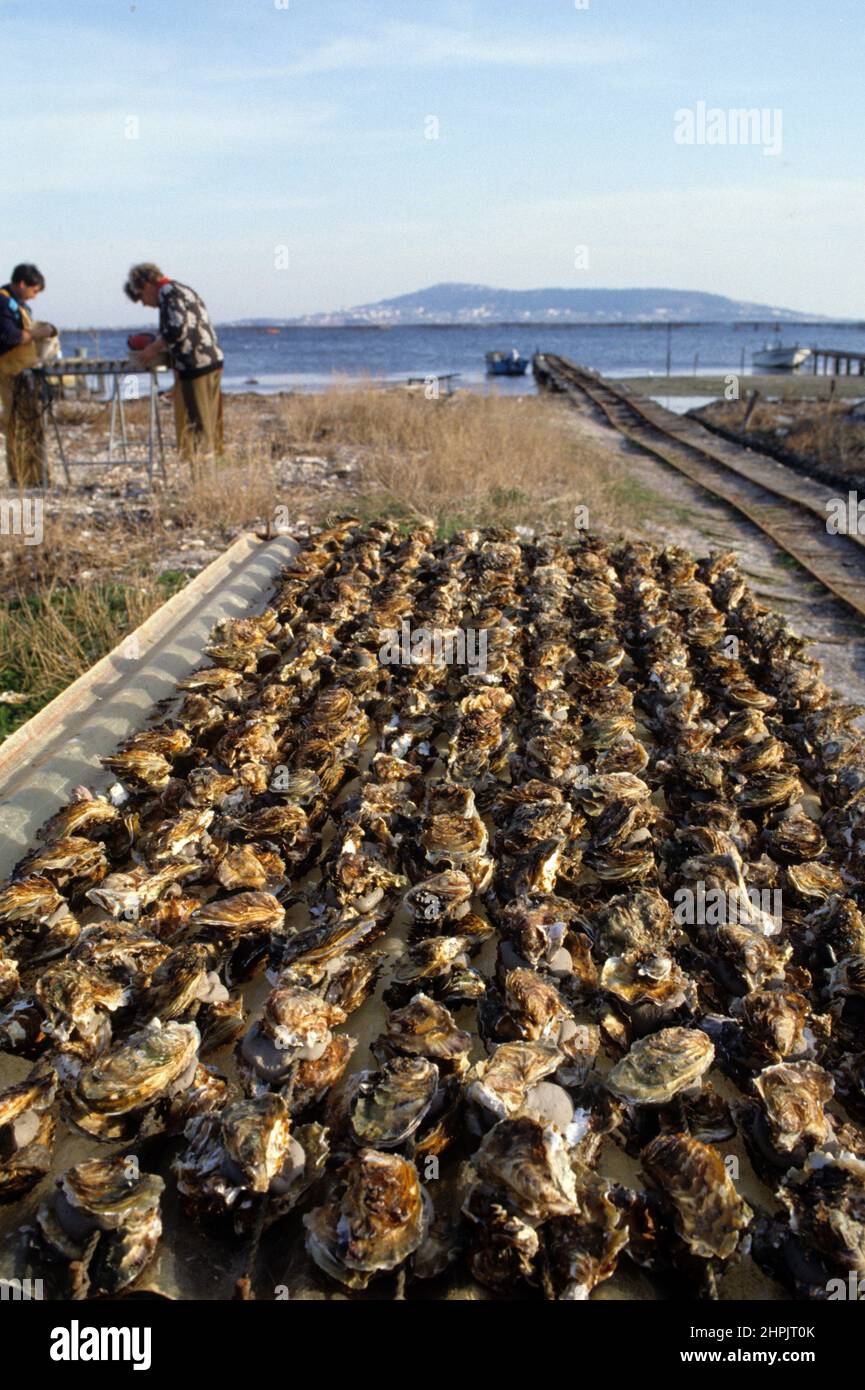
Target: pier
(843,363)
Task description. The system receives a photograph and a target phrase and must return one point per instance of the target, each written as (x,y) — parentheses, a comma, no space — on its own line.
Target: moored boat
(776,355)
(506,363)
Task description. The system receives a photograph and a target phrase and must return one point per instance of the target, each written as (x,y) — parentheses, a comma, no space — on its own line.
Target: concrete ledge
(60,746)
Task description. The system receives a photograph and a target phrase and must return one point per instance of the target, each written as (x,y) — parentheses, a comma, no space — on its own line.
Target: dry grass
(101,569)
(236,493)
(823,432)
(467,460)
(53,635)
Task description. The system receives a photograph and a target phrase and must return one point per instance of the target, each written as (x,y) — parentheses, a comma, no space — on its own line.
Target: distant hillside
(458,303)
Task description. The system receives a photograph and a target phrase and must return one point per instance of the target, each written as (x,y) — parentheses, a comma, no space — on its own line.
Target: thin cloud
(431,46)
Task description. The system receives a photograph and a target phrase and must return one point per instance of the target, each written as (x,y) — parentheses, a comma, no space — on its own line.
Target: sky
(292,156)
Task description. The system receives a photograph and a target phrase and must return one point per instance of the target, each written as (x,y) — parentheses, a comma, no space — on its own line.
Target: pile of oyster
(590,905)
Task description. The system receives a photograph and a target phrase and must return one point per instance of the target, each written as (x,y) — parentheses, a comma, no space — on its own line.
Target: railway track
(790,509)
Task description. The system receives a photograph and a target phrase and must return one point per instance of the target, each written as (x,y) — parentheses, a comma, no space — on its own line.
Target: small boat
(776,355)
(506,363)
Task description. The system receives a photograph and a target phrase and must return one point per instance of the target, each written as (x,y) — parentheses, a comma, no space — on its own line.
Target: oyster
(425,1029)
(391,1104)
(529,1162)
(441,897)
(229,919)
(295,1026)
(72,863)
(245,866)
(499,1087)
(76,1003)
(105,1214)
(154,1063)
(30,900)
(183,981)
(537,925)
(661,1065)
(789,1117)
(504,1245)
(691,1180)
(27,1125)
(126,894)
(535,1009)
(374,1219)
(824,1234)
(314,1078)
(122,951)
(584,1250)
(773,1023)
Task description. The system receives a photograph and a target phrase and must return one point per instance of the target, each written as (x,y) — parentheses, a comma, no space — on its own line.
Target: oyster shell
(391,1104)
(789,1117)
(228,919)
(583,1251)
(529,1162)
(154,1063)
(661,1065)
(690,1177)
(424,1028)
(27,1126)
(375,1218)
(106,1214)
(500,1085)
(76,1003)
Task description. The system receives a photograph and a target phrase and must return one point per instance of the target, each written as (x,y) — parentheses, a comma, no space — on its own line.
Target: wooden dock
(837,362)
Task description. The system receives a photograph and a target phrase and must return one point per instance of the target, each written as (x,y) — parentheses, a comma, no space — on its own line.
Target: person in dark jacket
(188,337)
(22,415)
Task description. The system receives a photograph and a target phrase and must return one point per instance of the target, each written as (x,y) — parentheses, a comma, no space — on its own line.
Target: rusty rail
(788,508)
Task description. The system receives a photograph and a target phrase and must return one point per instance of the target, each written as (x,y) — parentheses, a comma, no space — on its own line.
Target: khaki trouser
(23,427)
(198,416)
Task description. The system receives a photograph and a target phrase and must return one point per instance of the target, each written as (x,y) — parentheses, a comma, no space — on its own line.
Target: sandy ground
(668,506)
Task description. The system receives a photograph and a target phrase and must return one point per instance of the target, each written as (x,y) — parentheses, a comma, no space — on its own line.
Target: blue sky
(264,133)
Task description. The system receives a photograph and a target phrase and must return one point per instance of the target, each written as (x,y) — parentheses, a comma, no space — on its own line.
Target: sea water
(315,359)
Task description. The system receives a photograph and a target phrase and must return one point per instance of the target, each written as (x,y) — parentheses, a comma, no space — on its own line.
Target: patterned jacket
(185,325)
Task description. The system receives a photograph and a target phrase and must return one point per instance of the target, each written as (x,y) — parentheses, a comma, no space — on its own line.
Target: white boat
(776,355)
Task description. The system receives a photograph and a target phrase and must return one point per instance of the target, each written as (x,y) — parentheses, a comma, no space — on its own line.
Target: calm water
(312,359)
